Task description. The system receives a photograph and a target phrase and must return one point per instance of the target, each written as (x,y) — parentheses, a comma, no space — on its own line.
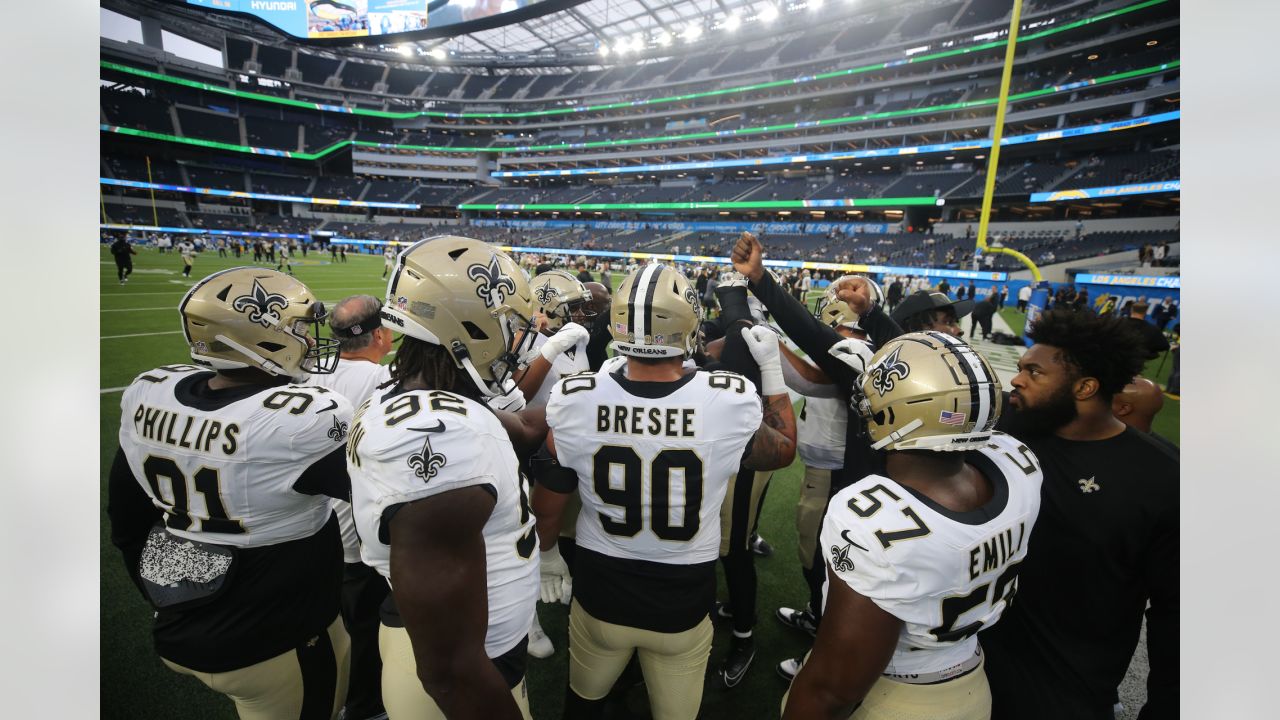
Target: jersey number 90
(628,497)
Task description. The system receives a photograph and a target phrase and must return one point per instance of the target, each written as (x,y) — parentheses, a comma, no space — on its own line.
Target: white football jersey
(573,360)
(944,574)
(413,445)
(653,472)
(820,431)
(355,380)
(225,474)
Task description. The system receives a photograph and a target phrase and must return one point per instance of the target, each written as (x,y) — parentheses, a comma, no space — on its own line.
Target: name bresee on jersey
(412,445)
(944,574)
(231,466)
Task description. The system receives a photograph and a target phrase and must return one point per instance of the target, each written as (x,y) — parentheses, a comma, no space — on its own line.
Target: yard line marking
(116,337)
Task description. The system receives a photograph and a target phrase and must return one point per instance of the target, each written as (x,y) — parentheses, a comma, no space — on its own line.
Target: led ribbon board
(256,196)
(728,205)
(200,231)
(855,154)
(1172,282)
(1109,191)
(805,264)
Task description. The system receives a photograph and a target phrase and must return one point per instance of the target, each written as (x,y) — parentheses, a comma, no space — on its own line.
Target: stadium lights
(815,4)
(405,49)
(663,38)
(693,32)
(438,53)
(732,22)
(604,50)
(769,13)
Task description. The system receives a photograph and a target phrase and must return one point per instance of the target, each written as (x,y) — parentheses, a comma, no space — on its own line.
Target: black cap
(925,301)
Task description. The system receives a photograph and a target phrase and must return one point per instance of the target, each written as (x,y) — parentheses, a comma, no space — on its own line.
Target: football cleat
(760,547)
(742,651)
(788,668)
(801,620)
(539,644)
(721,614)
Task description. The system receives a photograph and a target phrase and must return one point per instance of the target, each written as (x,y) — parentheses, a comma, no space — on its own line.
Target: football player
(440,504)
(561,302)
(650,446)
(219,498)
(923,556)
(356,323)
(821,428)
(388,260)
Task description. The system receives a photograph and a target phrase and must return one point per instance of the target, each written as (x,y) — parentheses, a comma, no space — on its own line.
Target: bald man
(1137,404)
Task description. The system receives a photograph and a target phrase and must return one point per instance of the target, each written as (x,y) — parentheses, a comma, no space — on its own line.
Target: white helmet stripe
(642,297)
(982,384)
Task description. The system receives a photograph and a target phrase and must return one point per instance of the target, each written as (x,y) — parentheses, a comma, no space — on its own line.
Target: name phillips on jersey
(185,431)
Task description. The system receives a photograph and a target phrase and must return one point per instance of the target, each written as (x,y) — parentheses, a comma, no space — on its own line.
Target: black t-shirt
(1105,543)
(120,249)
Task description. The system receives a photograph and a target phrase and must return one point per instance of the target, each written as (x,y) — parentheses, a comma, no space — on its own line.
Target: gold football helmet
(655,314)
(929,391)
(559,296)
(834,312)
(255,317)
(466,296)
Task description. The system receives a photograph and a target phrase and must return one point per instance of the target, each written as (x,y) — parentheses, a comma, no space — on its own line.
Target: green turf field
(140,330)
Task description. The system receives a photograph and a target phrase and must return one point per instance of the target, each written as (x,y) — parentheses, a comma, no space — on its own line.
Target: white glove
(554,574)
(852,352)
(566,337)
(511,399)
(763,344)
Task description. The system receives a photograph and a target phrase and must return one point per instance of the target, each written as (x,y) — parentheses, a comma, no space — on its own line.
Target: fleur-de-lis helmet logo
(545,294)
(260,303)
(493,287)
(426,463)
(888,371)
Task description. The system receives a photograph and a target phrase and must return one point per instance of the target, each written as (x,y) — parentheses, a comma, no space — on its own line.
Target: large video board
(341,19)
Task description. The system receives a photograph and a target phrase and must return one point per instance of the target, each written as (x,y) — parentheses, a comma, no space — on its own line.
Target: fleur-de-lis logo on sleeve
(426,463)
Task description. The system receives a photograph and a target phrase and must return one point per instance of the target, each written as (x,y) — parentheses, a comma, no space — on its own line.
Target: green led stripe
(213,144)
(831,122)
(747,205)
(638,103)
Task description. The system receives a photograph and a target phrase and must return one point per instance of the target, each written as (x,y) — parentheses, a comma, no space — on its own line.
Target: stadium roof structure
(596,32)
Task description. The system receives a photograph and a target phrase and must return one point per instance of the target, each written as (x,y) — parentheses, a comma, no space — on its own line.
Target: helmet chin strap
(897,435)
(268,365)
(475,377)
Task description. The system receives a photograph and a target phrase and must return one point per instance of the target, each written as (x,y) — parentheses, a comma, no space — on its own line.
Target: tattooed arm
(774,445)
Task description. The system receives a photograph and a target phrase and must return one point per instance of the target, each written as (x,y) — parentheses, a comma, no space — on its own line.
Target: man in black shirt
(983,311)
(1152,339)
(894,294)
(1106,542)
(123,252)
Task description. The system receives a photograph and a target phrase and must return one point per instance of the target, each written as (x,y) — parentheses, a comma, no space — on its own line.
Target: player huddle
(505,458)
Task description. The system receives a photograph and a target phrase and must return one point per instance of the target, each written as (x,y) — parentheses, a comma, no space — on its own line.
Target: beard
(1034,420)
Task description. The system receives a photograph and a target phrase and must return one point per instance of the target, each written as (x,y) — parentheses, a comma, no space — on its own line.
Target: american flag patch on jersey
(951,418)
